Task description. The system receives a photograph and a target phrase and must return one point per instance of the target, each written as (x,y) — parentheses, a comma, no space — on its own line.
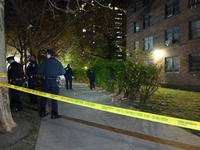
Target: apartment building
(169,32)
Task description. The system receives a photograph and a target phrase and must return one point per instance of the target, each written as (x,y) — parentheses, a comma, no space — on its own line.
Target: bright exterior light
(158,54)
(85,67)
(83,30)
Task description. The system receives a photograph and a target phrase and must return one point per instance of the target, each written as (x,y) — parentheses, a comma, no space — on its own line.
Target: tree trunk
(6,120)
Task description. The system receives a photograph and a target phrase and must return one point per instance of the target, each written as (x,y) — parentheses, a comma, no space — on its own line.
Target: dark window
(172,8)
(148,43)
(136,6)
(145,2)
(195,29)
(193,3)
(172,36)
(194,62)
(148,20)
(172,64)
(136,26)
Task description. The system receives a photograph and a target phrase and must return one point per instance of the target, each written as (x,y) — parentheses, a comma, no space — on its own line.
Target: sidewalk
(84,128)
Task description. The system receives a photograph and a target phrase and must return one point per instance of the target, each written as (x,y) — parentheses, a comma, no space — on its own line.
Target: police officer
(15,77)
(51,69)
(68,76)
(91,76)
(31,73)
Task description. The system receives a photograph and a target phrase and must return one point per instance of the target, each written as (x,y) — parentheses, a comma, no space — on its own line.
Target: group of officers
(50,69)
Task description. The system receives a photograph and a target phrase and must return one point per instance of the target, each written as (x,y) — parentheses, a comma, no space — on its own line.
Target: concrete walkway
(83,128)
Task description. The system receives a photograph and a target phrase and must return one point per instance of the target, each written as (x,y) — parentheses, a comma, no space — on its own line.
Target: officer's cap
(49,51)
(10,58)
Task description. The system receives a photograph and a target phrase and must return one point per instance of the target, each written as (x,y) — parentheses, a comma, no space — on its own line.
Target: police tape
(126,112)
(3,75)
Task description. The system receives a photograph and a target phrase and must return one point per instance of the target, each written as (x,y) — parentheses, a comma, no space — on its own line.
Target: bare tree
(40,22)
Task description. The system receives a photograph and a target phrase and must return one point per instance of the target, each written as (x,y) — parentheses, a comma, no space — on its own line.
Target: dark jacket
(51,68)
(68,72)
(15,70)
(32,69)
(90,74)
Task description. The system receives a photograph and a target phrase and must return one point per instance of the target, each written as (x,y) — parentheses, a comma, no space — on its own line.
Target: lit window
(172,8)
(119,23)
(118,32)
(148,20)
(194,62)
(195,29)
(118,18)
(119,14)
(148,43)
(172,64)
(172,36)
(119,37)
(136,26)
(116,8)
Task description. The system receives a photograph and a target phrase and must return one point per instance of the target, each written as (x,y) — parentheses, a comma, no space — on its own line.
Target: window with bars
(148,20)
(194,62)
(172,64)
(172,7)
(195,29)
(148,43)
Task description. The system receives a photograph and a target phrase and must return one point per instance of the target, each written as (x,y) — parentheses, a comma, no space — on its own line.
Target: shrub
(134,80)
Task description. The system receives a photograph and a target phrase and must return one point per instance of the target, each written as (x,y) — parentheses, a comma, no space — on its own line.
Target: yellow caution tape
(3,75)
(126,112)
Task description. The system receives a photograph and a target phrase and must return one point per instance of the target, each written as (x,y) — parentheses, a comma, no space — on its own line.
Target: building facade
(169,32)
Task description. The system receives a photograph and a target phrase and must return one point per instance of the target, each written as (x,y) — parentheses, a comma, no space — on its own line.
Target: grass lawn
(174,103)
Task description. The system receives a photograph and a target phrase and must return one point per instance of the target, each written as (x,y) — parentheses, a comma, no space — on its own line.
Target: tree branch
(61,29)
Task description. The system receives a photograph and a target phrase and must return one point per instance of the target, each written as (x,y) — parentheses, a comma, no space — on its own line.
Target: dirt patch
(24,136)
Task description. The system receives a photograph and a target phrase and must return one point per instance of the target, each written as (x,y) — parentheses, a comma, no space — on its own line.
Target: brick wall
(157,30)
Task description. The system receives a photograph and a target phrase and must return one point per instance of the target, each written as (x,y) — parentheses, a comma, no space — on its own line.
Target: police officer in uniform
(91,76)
(15,77)
(51,69)
(68,76)
(31,73)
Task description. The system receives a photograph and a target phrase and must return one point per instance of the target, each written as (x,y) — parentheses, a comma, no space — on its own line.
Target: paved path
(84,128)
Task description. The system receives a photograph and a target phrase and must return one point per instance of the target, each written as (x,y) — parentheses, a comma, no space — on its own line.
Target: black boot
(55,115)
(43,113)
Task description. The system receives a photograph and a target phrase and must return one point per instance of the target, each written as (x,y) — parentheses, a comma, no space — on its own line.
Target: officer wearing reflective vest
(15,77)
(51,69)
(31,73)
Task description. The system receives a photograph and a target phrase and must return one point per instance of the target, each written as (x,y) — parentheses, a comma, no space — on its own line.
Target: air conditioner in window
(168,42)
